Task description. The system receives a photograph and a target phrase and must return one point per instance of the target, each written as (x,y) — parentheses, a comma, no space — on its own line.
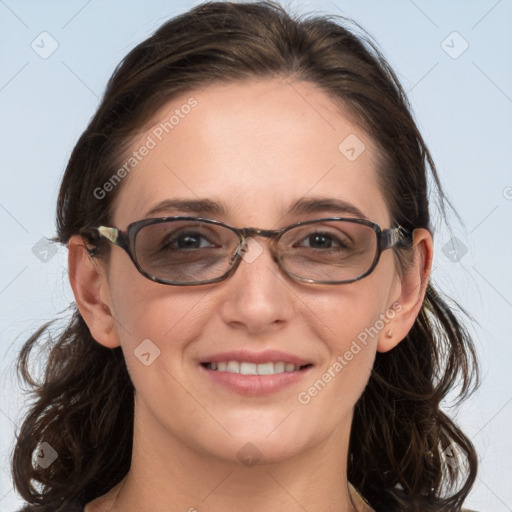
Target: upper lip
(264,356)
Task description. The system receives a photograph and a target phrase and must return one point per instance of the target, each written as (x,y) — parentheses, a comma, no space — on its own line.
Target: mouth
(249,368)
(254,373)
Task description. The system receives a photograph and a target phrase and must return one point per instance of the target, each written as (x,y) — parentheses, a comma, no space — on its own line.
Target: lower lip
(255,385)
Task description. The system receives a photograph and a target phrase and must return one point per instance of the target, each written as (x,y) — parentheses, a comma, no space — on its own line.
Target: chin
(258,446)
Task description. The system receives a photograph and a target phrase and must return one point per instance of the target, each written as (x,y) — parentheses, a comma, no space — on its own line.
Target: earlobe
(413,286)
(91,291)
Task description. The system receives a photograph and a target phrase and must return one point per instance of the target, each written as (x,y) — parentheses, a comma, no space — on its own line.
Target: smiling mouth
(247,368)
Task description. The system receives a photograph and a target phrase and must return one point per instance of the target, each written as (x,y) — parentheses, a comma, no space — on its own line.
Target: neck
(168,475)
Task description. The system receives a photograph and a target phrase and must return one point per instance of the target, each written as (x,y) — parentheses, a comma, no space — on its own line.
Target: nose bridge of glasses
(253,232)
(249,234)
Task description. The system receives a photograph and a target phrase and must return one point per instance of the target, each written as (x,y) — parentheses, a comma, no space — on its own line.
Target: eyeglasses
(184,251)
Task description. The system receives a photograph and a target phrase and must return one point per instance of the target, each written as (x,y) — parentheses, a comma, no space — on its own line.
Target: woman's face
(256,149)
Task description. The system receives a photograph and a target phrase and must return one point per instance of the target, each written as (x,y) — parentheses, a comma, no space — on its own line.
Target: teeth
(279,367)
(266,369)
(246,368)
(233,367)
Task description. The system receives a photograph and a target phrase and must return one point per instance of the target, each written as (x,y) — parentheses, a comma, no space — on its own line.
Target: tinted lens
(185,251)
(329,251)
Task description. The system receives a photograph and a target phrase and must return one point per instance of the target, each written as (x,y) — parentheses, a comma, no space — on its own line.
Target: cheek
(349,321)
(348,325)
(349,328)
(143,310)
(351,313)
(156,325)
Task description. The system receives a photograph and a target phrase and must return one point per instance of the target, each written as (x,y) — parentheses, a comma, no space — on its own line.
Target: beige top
(360,503)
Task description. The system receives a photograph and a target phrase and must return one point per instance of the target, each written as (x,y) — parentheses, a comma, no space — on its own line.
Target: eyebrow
(322,204)
(198,206)
(302,206)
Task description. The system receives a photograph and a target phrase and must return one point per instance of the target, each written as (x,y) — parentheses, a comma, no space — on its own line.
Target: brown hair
(84,405)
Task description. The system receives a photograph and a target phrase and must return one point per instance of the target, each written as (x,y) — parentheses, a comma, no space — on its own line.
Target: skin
(257,147)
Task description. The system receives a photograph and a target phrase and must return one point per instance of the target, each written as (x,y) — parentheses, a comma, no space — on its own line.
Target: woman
(250,250)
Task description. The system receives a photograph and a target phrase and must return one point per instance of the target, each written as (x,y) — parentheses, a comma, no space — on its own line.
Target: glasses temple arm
(114,235)
(394,237)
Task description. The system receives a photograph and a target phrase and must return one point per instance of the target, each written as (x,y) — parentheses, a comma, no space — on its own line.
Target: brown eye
(190,240)
(322,241)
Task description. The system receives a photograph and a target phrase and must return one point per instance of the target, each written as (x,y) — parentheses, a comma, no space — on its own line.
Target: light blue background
(463,107)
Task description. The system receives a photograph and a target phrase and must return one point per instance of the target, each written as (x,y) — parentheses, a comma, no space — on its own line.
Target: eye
(323,240)
(186,240)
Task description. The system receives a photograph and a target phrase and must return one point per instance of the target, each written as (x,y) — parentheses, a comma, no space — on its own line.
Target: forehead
(256,147)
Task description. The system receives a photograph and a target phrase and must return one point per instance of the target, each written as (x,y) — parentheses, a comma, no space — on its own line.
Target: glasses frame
(125,239)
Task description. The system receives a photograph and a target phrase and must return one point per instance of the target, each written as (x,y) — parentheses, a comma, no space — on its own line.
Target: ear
(413,286)
(92,293)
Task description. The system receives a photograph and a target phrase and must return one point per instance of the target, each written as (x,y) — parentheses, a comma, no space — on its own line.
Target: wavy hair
(83,404)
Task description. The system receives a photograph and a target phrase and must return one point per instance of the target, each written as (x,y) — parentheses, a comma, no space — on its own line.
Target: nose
(258,296)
